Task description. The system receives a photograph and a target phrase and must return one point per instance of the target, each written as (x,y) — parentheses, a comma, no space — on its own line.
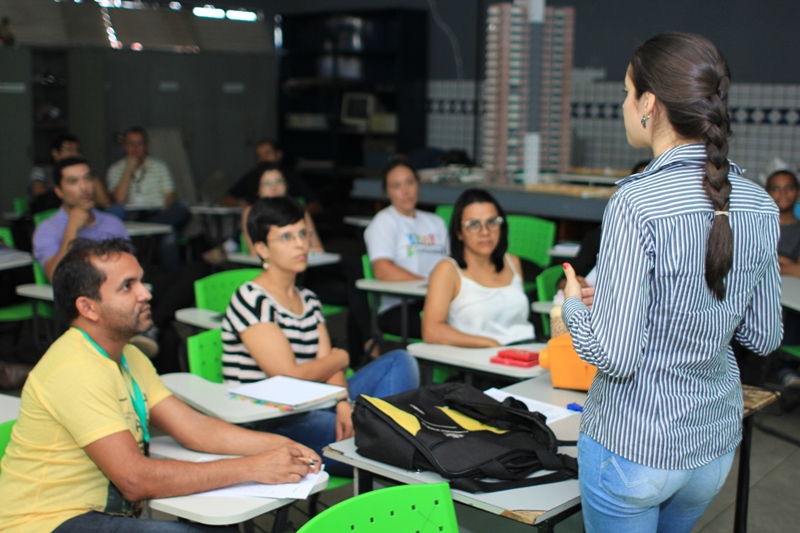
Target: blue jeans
(392,373)
(103,523)
(620,495)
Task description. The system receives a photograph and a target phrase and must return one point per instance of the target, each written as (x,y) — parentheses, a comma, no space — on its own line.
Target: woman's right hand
(574,288)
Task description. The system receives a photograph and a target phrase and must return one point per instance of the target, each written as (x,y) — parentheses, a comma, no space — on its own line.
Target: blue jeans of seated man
(93,521)
(391,373)
(620,495)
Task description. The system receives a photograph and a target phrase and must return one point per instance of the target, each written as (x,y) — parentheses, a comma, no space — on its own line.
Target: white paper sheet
(552,412)
(295,491)
(283,390)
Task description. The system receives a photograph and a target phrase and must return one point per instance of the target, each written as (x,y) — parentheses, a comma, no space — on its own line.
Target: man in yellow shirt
(77,460)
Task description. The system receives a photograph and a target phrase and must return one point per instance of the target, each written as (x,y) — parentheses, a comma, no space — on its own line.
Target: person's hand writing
(575,289)
(284,465)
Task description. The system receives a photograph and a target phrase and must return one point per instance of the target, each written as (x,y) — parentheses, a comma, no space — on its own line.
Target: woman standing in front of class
(687,262)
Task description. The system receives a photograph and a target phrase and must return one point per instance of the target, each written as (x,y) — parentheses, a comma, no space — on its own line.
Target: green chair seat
(421,508)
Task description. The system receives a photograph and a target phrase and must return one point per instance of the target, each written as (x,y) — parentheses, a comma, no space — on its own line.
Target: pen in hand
(307,460)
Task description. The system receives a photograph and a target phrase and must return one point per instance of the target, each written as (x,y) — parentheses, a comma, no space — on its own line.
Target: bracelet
(345,399)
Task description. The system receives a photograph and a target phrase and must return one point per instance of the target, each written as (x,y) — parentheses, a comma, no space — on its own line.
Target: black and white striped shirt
(252,304)
(668,394)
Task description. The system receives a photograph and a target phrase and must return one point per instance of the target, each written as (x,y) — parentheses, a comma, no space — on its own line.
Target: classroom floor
(775,471)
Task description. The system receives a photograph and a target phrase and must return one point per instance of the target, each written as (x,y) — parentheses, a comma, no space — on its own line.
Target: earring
(644,120)
(264,263)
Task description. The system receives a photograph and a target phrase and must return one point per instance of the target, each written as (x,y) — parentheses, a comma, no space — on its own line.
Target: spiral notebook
(287,393)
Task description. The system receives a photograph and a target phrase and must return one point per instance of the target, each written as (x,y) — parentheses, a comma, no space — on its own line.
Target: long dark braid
(690,79)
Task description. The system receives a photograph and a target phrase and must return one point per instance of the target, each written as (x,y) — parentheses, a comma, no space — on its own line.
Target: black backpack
(464,435)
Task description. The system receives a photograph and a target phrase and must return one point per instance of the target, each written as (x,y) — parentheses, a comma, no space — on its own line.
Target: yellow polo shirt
(73,397)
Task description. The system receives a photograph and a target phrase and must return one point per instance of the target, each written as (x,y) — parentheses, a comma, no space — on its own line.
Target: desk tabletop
(314,259)
(475,358)
(790,292)
(199,318)
(213,510)
(399,288)
(10,258)
(214,400)
(357,221)
(9,408)
(530,505)
(218,210)
(143,229)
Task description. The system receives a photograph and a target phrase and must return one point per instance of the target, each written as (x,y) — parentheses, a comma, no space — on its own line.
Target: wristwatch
(346,399)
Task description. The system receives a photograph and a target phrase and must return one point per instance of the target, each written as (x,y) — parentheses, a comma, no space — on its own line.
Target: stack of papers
(288,393)
(295,491)
(552,412)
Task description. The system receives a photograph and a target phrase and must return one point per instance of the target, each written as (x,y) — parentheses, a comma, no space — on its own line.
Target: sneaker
(790,380)
(146,345)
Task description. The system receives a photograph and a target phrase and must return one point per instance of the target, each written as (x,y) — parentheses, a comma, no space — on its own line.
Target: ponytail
(719,252)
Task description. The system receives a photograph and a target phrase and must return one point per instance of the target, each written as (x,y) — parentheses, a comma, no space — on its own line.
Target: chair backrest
(214,292)
(20,205)
(530,237)
(546,283)
(5,435)
(204,352)
(368,274)
(7,237)
(424,508)
(446,213)
(41,216)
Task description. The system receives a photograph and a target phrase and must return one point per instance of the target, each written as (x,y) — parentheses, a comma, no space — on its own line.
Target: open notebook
(287,393)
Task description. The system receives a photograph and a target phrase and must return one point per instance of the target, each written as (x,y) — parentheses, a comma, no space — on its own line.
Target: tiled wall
(451,122)
(766,123)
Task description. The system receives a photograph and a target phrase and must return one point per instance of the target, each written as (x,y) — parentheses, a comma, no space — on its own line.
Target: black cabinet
(352,88)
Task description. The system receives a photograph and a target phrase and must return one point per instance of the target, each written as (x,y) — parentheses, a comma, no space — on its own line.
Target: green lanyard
(137,398)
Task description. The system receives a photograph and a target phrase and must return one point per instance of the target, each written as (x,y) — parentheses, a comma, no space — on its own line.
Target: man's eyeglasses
(267,183)
(474,225)
(288,238)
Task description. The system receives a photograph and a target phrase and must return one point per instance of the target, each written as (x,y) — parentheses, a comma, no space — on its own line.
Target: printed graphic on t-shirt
(423,244)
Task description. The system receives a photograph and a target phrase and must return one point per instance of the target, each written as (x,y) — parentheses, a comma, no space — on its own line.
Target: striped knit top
(252,304)
(667,393)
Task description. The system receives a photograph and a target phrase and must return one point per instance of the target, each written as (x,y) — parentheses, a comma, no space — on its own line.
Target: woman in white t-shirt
(403,243)
(475,297)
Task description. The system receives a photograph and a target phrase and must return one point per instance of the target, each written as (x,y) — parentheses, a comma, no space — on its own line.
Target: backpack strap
(569,470)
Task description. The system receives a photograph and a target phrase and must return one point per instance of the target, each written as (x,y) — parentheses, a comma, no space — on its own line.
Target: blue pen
(575,407)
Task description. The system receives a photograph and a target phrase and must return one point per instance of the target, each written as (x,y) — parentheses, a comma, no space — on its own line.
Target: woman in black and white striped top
(272,327)
(687,262)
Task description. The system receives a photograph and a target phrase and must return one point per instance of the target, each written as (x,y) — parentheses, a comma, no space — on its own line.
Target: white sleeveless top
(500,313)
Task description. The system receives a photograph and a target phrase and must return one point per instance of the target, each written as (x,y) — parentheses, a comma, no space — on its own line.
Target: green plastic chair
(214,292)
(374,301)
(20,311)
(445,212)
(5,435)
(546,290)
(41,216)
(530,238)
(20,205)
(421,508)
(204,352)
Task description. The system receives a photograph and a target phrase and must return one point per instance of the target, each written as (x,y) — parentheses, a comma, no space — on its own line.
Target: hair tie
(724,213)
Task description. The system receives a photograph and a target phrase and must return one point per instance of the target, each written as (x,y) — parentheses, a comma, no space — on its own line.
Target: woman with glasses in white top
(475,296)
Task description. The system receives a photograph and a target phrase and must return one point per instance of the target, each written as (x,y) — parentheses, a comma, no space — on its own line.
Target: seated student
(272,327)
(268,181)
(78,457)
(475,297)
(403,243)
(334,284)
(269,151)
(782,186)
